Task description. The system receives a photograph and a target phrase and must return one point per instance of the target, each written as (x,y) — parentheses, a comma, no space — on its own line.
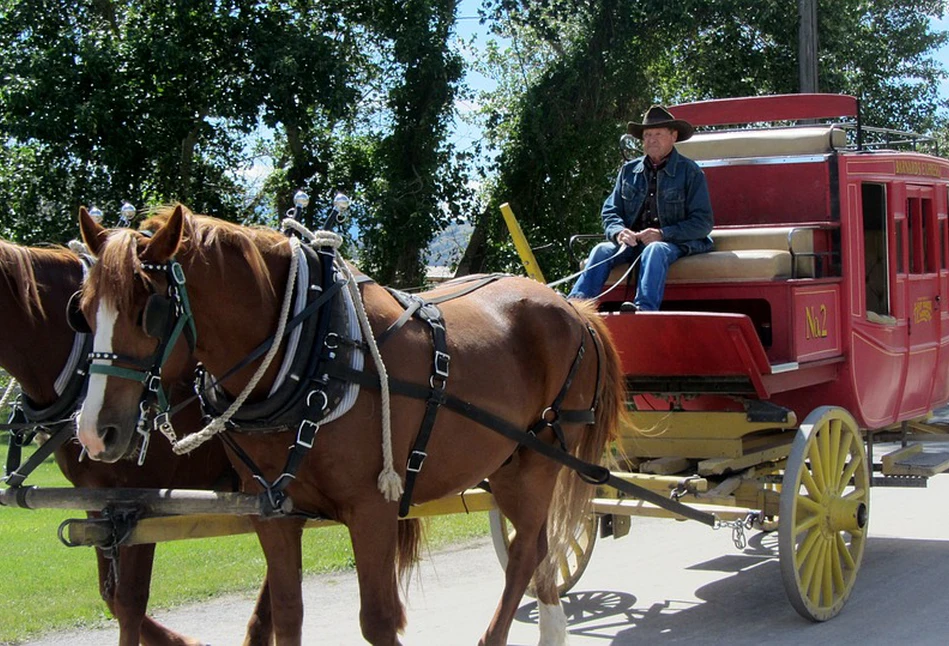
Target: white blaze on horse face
(553,624)
(95,393)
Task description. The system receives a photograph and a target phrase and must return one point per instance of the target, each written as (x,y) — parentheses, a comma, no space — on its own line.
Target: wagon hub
(846,515)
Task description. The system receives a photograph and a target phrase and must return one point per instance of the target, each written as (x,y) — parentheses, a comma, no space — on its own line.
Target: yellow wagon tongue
(520,243)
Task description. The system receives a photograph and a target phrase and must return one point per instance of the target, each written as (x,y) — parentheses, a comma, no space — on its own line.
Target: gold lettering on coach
(916,167)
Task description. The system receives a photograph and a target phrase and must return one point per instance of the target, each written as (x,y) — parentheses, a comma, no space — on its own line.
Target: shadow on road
(899,592)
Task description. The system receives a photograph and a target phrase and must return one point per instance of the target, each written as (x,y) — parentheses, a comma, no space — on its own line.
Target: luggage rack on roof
(805,110)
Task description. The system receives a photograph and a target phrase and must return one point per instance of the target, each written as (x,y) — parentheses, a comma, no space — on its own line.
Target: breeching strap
(592,473)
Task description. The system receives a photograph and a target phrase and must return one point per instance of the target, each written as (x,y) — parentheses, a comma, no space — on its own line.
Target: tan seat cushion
(753,264)
(761,253)
(763,143)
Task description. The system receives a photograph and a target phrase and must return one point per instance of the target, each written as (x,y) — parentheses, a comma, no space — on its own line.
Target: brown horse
(35,346)
(513,353)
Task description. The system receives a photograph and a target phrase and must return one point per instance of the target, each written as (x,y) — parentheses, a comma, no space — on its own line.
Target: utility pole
(807,45)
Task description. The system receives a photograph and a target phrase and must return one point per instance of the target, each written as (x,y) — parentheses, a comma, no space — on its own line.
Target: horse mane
(16,265)
(202,236)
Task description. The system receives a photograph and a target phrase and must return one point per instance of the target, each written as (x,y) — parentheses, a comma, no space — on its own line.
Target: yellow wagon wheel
(572,563)
(822,526)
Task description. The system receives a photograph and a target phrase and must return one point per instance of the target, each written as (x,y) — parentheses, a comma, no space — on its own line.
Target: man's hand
(627,237)
(632,238)
(649,235)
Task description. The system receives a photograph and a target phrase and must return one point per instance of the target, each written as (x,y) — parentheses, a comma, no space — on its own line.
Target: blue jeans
(655,259)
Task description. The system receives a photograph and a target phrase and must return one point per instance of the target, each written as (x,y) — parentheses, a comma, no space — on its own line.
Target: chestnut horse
(513,346)
(35,348)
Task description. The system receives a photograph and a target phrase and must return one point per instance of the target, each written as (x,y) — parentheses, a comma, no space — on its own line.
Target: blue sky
(943,55)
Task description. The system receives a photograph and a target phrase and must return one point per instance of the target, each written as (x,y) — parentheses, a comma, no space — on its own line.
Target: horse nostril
(107,434)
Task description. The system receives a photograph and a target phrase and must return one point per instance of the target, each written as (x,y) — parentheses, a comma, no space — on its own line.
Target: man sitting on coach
(658,212)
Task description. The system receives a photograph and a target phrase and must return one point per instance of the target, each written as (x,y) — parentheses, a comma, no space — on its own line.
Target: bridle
(165,317)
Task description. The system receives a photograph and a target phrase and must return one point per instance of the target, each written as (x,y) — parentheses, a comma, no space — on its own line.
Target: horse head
(128,300)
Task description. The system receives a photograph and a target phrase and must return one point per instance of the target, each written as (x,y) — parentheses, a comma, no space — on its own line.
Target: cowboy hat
(659,117)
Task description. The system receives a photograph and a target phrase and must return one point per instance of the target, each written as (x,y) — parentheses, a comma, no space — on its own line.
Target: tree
(418,188)
(119,101)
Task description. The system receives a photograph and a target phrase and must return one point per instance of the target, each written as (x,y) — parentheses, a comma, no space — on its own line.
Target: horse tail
(573,496)
(408,548)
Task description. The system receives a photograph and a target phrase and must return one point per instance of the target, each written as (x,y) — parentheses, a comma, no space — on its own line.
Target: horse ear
(164,244)
(93,233)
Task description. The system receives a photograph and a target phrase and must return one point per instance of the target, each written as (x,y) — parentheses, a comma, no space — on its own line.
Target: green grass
(46,586)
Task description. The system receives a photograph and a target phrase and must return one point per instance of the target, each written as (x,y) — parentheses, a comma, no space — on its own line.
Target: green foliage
(417,170)
(153,102)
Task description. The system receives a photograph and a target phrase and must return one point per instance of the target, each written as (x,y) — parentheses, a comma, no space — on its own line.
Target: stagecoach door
(920,258)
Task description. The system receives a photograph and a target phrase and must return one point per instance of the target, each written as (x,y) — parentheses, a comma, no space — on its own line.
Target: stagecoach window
(942,244)
(919,214)
(912,226)
(875,249)
(900,266)
(928,242)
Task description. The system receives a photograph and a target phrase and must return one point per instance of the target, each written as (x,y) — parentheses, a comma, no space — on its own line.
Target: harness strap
(476,283)
(436,394)
(17,473)
(409,312)
(592,473)
(551,415)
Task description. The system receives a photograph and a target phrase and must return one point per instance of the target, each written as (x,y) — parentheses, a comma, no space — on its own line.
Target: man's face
(658,142)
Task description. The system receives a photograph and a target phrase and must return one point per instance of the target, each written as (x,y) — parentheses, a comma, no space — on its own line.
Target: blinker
(74,316)
(157,316)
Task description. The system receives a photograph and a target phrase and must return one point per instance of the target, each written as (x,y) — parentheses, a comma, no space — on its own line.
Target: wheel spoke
(839,583)
(823,448)
(833,453)
(845,554)
(847,474)
(811,582)
(809,506)
(805,550)
(817,467)
(816,492)
(845,453)
(827,564)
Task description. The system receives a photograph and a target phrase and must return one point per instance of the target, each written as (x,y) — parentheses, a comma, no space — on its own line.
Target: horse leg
(260,625)
(512,487)
(130,600)
(381,614)
(280,540)
(552,620)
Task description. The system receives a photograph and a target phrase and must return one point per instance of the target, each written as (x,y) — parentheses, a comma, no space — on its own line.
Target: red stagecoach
(814,328)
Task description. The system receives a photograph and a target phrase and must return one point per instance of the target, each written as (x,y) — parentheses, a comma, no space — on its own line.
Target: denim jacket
(685,209)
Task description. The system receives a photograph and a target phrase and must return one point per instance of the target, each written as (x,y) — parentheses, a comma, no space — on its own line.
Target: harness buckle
(142,430)
(177,272)
(326,401)
(153,382)
(335,338)
(550,416)
(306,433)
(442,359)
(416,459)
(162,422)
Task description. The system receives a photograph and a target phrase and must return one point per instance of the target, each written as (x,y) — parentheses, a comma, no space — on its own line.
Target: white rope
(78,247)
(193,441)
(8,393)
(622,279)
(621,249)
(389,482)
